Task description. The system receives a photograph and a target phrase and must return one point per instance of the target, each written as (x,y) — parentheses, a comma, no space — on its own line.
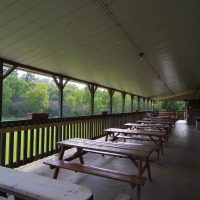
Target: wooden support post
(1,105)
(92,89)
(186,111)
(132,97)
(138,103)
(123,101)
(170,109)
(1,88)
(147,106)
(143,106)
(111,93)
(151,102)
(61,85)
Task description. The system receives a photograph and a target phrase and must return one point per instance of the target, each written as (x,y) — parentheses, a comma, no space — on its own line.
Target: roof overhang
(147,48)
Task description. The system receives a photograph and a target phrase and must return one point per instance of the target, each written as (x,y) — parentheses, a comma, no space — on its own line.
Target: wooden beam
(1,88)
(138,103)
(50,73)
(143,106)
(111,93)
(132,97)
(61,85)
(92,89)
(123,101)
(9,71)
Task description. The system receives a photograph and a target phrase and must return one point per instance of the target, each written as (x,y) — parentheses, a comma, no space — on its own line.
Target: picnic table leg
(3,194)
(161,145)
(140,167)
(79,152)
(60,157)
(106,139)
(138,192)
(158,156)
(149,171)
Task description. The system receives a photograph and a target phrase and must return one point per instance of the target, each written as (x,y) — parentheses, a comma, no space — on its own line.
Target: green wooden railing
(22,142)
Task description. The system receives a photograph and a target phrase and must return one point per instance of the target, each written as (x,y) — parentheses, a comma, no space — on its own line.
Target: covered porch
(146,52)
(177,176)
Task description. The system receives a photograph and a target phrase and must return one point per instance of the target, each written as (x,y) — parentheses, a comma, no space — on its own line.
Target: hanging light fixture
(141,55)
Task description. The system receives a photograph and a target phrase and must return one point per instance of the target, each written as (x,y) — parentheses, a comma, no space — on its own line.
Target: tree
(37,98)
(73,101)
(13,96)
(117,102)
(101,101)
(128,103)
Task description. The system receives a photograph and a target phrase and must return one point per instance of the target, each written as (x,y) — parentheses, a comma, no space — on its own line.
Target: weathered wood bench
(28,186)
(151,159)
(141,138)
(134,180)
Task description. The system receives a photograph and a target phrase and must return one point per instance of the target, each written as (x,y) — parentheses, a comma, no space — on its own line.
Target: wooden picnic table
(148,121)
(150,127)
(114,132)
(133,151)
(142,124)
(139,154)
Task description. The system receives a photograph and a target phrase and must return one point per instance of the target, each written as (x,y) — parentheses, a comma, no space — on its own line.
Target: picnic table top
(127,149)
(158,125)
(136,132)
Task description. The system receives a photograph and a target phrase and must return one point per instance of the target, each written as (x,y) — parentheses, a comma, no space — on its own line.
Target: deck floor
(176,178)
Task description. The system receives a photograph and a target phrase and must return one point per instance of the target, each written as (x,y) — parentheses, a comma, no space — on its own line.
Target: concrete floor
(176,178)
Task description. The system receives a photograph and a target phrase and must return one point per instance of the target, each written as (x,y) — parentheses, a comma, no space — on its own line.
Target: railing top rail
(27,122)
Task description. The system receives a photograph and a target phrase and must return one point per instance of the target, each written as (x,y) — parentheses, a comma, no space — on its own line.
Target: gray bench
(29,186)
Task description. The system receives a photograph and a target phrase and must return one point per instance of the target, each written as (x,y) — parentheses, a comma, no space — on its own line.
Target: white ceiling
(99,41)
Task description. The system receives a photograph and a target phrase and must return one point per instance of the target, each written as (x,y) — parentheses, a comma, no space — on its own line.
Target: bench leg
(161,145)
(55,174)
(80,155)
(138,192)
(3,194)
(158,156)
(149,171)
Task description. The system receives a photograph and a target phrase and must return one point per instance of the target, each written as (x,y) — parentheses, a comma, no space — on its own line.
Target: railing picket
(47,141)
(54,139)
(31,144)
(25,157)
(51,131)
(64,132)
(42,141)
(3,149)
(37,139)
(57,135)
(11,148)
(18,148)
(67,135)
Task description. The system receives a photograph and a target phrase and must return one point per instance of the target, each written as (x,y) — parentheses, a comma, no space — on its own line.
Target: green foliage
(73,101)
(135,104)
(117,102)
(101,101)
(13,96)
(175,105)
(29,93)
(37,97)
(128,103)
